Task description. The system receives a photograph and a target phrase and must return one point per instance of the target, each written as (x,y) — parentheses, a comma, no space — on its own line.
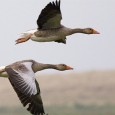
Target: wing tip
(34,110)
(54,4)
(54,7)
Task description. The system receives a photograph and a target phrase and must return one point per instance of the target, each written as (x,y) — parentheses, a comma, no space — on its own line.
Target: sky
(82,52)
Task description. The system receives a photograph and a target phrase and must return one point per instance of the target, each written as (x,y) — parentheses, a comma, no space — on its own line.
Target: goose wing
(27,89)
(50,16)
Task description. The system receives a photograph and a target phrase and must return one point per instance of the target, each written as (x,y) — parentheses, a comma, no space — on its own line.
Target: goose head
(90,31)
(63,67)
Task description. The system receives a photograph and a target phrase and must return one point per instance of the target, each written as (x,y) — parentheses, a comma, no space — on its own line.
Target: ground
(67,93)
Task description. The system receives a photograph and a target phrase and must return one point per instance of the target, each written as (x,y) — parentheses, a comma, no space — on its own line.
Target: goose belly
(45,39)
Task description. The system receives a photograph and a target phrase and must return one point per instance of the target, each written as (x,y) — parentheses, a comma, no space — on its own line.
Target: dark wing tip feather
(34,107)
(52,6)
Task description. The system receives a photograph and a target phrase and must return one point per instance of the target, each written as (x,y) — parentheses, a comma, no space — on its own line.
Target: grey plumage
(21,75)
(50,28)
(34,100)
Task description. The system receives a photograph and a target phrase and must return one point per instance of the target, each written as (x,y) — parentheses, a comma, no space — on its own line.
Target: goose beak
(95,32)
(69,68)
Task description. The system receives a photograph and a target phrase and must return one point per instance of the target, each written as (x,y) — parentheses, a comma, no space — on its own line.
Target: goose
(21,75)
(50,28)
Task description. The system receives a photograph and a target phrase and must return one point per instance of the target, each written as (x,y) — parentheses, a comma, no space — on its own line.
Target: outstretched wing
(27,90)
(50,16)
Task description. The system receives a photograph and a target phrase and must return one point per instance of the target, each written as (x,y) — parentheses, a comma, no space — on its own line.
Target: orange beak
(68,68)
(95,32)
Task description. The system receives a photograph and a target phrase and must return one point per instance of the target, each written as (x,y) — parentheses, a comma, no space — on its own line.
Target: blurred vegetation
(77,109)
(90,93)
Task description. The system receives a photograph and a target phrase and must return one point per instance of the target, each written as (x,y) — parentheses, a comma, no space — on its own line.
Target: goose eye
(63,65)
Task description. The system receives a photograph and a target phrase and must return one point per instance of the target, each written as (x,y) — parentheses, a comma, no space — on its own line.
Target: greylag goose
(50,28)
(21,75)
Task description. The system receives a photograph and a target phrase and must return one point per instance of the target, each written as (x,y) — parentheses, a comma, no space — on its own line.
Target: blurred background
(89,88)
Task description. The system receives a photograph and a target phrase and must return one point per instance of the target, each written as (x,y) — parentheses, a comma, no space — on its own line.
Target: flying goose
(50,28)
(21,75)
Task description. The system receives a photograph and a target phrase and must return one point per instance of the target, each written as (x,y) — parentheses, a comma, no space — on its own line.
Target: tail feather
(23,39)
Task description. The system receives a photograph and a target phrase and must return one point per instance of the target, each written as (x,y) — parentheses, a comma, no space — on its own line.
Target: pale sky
(83,52)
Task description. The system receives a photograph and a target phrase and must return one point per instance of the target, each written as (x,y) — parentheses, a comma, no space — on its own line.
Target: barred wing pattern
(27,90)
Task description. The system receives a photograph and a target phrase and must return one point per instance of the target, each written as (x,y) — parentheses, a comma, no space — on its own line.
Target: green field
(77,109)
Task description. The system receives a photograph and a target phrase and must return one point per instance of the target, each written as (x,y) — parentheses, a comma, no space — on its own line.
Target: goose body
(21,75)
(49,35)
(50,27)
